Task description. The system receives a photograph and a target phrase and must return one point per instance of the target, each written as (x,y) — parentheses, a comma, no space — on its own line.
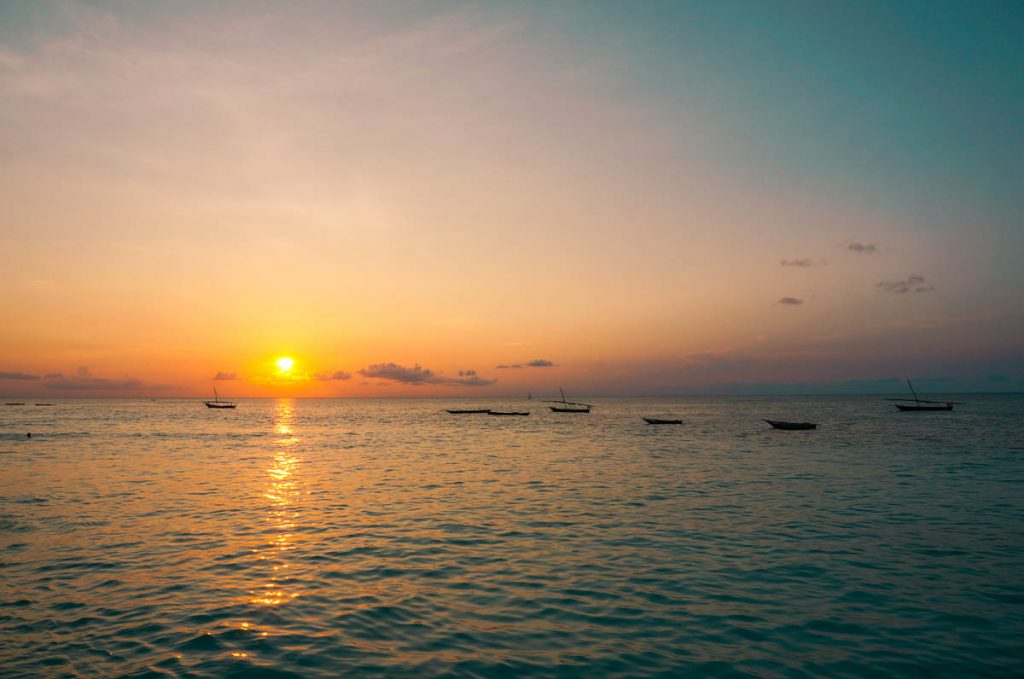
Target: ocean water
(322,538)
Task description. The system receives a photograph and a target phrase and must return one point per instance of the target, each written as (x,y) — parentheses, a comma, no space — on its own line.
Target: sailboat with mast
(569,406)
(920,405)
(218,403)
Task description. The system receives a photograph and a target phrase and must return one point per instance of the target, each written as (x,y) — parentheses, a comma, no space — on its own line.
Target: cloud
(93,384)
(84,381)
(17,376)
(790,301)
(802,262)
(913,283)
(862,248)
(332,376)
(535,363)
(223,377)
(419,375)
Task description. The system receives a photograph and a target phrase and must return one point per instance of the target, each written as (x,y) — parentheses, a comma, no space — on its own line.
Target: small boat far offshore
(930,406)
(217,403)
(658,420)
(569,406)
(475,411)
(499,412)
(793,426)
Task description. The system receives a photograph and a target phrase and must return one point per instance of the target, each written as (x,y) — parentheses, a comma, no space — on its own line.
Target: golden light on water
(281,490)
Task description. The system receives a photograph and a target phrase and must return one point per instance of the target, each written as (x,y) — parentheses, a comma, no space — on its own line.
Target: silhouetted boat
(217,403)
(920,405)
(477,411)
(569,406)
(14,404)
(658,420)
(779,424)
(44,404)
(498,412)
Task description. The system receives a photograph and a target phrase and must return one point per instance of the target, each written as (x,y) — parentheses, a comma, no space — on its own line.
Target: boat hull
(501,414)
(481,411)
(924,409)
(210,404)
(557,409)
(792,426)
(655,420)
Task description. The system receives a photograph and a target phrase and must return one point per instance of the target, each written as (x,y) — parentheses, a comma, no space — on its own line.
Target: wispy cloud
(419,375)
(93,384)
(862,248)
(790,301)
(83,380)
(803,262)
(17,376)
(913,283)
(535,363)
(337,375)
(224,377)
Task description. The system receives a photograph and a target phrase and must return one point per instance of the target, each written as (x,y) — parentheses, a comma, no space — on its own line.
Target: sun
(284,364)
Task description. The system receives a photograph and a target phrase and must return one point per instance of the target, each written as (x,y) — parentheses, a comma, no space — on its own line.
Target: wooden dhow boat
(792,426)
(920,405)
(569,406)
(218,403)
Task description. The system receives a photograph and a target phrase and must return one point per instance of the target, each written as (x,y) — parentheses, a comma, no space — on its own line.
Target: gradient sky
(653,197)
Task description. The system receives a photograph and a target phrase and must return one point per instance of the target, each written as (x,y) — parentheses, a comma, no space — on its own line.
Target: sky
(490,199)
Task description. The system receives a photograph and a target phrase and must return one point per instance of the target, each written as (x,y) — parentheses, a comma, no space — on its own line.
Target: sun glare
(284,364)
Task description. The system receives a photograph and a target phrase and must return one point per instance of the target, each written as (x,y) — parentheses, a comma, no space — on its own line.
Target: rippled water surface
(388,538)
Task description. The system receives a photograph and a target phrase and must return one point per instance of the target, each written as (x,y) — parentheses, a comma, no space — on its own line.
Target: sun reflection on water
(282,491)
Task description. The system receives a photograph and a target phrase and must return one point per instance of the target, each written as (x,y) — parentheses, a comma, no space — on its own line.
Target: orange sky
(191,191)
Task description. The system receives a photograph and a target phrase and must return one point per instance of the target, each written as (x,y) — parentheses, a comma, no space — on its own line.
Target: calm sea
(321,538)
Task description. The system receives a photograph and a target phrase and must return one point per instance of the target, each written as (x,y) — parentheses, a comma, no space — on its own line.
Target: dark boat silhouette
(217,403)
(475,411)
(499,412)
(658,420)
(569,406)
(14,404)
(920,405)
(779,424)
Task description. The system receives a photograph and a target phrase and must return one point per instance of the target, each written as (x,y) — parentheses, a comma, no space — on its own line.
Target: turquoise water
(388,538)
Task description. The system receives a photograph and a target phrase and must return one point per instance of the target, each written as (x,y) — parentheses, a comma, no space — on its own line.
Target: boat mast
(912,391)
(216,398)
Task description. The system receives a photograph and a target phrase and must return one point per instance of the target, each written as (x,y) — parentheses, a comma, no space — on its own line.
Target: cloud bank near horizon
(418,375)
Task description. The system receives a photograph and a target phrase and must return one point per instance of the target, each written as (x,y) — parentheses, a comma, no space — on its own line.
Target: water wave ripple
(388,538)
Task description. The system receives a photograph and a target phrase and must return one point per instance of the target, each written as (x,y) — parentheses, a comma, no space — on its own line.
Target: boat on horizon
(658,420)
(929,406)
(569,406)
(507,413)
(791,426)
(470,411)
(218,403)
